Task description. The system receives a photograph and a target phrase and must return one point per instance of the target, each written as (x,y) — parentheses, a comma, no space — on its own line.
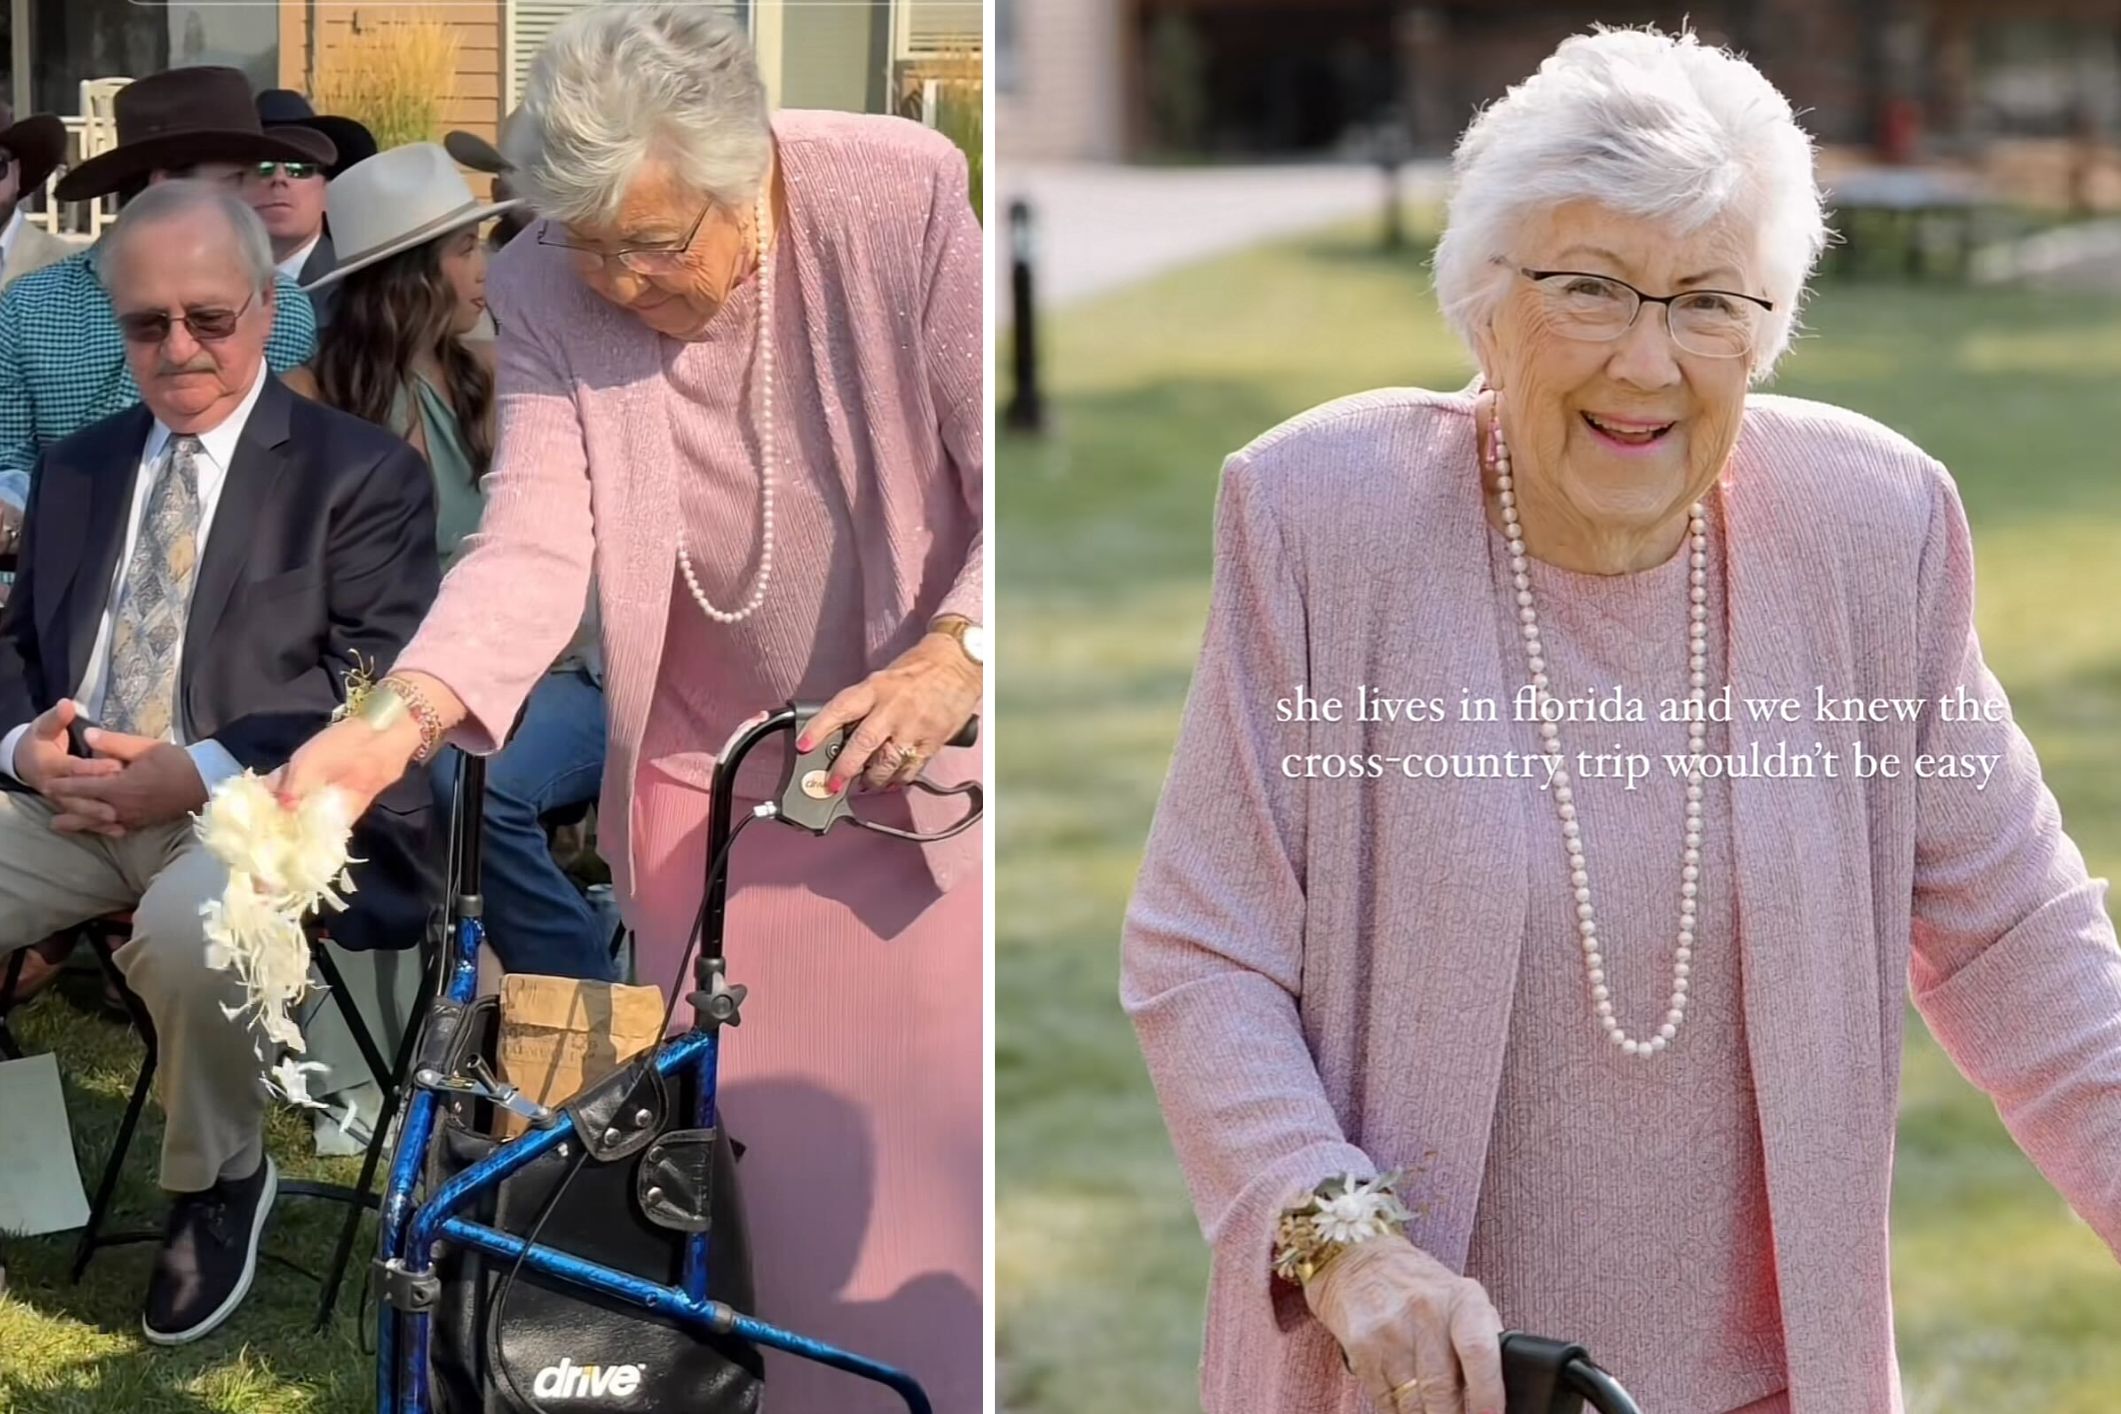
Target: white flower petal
(282,865)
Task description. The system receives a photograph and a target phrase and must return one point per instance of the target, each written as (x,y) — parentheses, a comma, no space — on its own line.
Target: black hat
(284,108)
(471,150)
(477,153)
(182,117)
(38,142)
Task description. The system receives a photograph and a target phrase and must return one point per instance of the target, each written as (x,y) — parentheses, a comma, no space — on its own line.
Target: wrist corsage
(1340,1213)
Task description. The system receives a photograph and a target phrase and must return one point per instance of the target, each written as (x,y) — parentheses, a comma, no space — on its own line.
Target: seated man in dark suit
(197,576)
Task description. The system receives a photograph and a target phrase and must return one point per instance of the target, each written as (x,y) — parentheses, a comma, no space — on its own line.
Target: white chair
(92,130)
(99,134)
(99,122)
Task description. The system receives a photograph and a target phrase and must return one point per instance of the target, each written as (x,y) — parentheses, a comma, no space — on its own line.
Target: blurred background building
(1105,80)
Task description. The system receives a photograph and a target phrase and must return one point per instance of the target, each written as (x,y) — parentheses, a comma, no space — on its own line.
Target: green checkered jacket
(62,359)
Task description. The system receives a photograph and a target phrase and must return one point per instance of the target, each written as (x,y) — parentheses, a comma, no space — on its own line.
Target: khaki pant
(210,1078)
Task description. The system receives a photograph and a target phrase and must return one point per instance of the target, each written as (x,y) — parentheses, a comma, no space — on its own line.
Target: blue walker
(420,1229)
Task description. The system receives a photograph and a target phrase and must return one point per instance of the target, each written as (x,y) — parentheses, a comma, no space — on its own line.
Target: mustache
(201,364)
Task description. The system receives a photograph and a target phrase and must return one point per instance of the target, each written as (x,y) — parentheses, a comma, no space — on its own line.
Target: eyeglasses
(1599,309)
(641,260)
(7,163)
(296,171)
(208,326)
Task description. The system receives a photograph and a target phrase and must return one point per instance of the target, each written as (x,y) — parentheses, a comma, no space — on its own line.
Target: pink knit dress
(855,1079)
(1598,1162)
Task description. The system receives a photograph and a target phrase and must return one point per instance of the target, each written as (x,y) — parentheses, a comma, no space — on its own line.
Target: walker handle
(1541,1376)
(797,805)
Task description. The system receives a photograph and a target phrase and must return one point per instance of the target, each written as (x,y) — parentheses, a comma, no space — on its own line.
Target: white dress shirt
(217,450)
(8,237)
(292,266)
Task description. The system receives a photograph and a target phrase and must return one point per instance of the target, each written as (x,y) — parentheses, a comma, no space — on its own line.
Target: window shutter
(930,28)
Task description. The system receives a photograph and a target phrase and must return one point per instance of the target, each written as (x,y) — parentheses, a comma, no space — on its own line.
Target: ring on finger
(884,763)
(1412,1387)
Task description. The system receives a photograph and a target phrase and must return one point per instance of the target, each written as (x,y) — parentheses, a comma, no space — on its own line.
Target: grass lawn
(2005,1301)
(78,1350)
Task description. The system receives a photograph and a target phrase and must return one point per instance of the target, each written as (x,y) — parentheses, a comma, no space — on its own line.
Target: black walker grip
(1541,1376)
(803,801)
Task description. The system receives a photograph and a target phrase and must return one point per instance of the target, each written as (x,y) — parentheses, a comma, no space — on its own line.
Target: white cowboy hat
(396,200)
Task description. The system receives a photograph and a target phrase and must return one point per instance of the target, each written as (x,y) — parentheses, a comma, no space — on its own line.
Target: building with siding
(853,55)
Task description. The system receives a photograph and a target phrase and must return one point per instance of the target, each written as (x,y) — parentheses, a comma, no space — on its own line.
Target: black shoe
(208,1257)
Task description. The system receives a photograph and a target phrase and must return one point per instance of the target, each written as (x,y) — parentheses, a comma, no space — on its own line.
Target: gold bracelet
(1343,1212)
(382,705)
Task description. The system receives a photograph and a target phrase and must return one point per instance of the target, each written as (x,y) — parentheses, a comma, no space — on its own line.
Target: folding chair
(388,1075)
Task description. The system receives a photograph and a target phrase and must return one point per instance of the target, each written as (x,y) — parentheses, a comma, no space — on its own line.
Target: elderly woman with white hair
(740,391)
(1459,1026)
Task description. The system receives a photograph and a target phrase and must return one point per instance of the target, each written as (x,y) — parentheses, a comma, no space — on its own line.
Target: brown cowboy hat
(38,143)
(181,117)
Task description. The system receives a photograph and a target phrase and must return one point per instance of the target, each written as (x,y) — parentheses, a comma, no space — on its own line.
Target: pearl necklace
(1564,796)
(763,353)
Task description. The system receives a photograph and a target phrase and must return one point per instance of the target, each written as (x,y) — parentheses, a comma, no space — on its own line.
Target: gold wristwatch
(971,637)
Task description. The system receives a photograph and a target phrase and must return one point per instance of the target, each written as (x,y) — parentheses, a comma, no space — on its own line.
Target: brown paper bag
(558,1035)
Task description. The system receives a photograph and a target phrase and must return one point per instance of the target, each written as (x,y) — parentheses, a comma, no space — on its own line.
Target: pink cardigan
(1321,975)
(882,234)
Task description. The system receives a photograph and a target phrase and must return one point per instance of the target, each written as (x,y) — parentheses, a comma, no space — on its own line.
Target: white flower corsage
(1340,1213)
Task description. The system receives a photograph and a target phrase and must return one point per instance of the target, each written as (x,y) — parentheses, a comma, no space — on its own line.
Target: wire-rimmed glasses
(1600,308)
(641,260)
(208,325)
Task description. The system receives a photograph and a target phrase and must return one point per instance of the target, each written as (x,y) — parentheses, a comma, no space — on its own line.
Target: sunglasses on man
(296,171)
(209,325)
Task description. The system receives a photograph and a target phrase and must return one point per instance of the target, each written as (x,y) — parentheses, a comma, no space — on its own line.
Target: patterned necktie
(149,626)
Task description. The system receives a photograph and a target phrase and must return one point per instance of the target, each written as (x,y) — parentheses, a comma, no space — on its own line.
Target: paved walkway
(1099,228)
(2085,256)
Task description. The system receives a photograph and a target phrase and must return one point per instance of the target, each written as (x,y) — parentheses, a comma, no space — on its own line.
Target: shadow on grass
(68,1348)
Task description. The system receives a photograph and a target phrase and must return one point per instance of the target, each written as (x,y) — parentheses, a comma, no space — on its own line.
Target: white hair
(1649,124)
(171,200)
(617,85)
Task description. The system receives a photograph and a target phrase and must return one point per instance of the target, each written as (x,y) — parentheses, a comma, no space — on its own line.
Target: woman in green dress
(412,286)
